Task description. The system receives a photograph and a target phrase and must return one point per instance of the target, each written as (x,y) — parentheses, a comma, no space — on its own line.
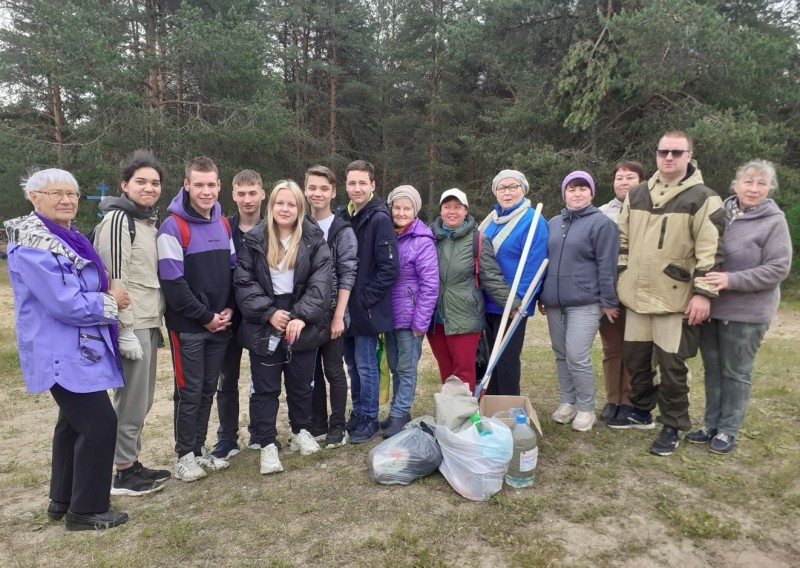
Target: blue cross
(103,189)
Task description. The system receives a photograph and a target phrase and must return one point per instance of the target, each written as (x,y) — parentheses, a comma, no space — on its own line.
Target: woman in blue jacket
(507,227)
(66,325)
(580,289)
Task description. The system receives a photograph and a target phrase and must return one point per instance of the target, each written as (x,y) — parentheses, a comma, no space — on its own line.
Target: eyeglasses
(59,195)
(675,153)
(508,188)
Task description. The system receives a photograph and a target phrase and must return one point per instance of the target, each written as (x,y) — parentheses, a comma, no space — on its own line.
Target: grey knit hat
(407,192)
(519,176)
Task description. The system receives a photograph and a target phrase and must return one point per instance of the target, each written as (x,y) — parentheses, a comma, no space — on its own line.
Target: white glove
(129,345)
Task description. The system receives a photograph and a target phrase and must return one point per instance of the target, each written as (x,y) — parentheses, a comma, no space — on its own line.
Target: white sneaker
(584,421)
(565,413)
(187,469)
(270,463)
(304,442)
(210,462)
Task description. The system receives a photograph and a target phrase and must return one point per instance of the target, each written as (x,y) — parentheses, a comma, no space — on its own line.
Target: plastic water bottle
(522,467)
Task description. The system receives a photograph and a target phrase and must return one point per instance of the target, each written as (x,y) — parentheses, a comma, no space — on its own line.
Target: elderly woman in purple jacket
(414,297)
(66,325)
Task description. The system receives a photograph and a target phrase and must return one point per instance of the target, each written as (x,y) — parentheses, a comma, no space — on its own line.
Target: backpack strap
(185,229)
(477,245)
(131,227)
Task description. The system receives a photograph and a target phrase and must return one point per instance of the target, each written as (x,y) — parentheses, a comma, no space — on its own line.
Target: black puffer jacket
(311,296)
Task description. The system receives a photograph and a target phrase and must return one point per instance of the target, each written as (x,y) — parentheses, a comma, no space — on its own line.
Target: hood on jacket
(418,229)
(582,212)
(112,202)
(693,177)
(181,206)
(767,209)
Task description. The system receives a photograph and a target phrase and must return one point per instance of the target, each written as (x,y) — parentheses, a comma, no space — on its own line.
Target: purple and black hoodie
(197,281)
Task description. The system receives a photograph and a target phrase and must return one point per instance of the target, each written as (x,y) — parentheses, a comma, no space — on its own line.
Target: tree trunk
(58,116)
(333,84)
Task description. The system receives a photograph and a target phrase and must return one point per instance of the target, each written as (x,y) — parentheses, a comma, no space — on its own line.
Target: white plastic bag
(475,462)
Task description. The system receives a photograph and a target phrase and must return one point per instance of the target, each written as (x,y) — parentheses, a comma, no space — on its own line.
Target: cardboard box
(495,403)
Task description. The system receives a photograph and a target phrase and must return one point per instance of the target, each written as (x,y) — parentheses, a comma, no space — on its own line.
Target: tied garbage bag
(475,460)
(405,456)
(454,405)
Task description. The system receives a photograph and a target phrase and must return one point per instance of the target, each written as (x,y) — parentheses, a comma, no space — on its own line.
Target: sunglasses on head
(675,153)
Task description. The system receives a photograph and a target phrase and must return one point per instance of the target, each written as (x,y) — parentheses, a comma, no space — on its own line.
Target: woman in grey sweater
(758,256)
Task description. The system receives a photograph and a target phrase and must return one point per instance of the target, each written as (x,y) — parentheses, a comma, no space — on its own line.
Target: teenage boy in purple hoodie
(196,259)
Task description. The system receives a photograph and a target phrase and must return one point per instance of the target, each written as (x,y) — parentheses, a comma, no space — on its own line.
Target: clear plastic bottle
(522,467)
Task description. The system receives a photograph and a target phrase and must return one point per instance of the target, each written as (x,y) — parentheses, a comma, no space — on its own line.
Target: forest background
(435,93)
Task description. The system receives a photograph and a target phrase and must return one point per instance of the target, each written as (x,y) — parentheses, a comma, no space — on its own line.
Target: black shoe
(702,436)
(366,431)
(128,482)
(384,424)
(95,521)
(56,510)
(336,437)
(395,425)
(352,422)
(666,443)
(621,420)
(609,411)
(157,475)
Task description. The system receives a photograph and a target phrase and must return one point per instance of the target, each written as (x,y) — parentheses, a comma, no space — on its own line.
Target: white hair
(37,181)
(762,166)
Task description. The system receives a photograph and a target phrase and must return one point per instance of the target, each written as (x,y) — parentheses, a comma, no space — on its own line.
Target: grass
(599,498)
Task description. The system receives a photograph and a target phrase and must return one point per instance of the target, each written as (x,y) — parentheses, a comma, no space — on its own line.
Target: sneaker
(256,446)
(270,463)
(186,469)
(304,442)
(337,437)
(584,421)
(352,422)
(702,436)
(565,413)
(722,443)
(210,462)
(630,417)
(225,449)
(157,475)
(396,424)
(609,411)
(666,443)
(367,430)
(128,482)
(384,424)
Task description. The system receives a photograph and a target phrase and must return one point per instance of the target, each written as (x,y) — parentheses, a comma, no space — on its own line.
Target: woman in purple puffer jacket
(414,297)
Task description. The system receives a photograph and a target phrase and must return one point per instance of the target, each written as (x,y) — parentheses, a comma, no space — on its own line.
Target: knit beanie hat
(577,175)
(519,176)
(407,192)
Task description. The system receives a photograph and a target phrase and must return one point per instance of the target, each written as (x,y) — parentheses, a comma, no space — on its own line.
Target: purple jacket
(415,292)
(61,316)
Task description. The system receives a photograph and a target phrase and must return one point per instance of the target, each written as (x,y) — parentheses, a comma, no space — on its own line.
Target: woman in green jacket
(467,267)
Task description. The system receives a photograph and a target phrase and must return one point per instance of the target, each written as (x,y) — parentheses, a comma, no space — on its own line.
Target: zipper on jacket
(87,336)
(663,233)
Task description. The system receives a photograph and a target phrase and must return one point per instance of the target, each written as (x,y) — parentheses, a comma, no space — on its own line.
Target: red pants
(455,354)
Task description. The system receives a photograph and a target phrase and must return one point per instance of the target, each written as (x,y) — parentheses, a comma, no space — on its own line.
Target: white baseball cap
(457,193)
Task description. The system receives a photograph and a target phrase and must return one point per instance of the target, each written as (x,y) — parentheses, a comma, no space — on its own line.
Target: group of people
(306,290)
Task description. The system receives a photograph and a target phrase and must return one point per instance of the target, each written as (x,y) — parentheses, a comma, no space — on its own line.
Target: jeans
(362,365)
(403,351)
(729,349)
(572,331)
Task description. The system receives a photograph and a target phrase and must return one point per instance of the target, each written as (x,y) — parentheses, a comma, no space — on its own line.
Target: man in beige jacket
(670,233)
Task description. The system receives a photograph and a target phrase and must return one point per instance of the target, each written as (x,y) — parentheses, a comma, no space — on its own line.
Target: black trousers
(298,373)
(83,450)
(228,392)
(507,372)
(197,359)
(330,366)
